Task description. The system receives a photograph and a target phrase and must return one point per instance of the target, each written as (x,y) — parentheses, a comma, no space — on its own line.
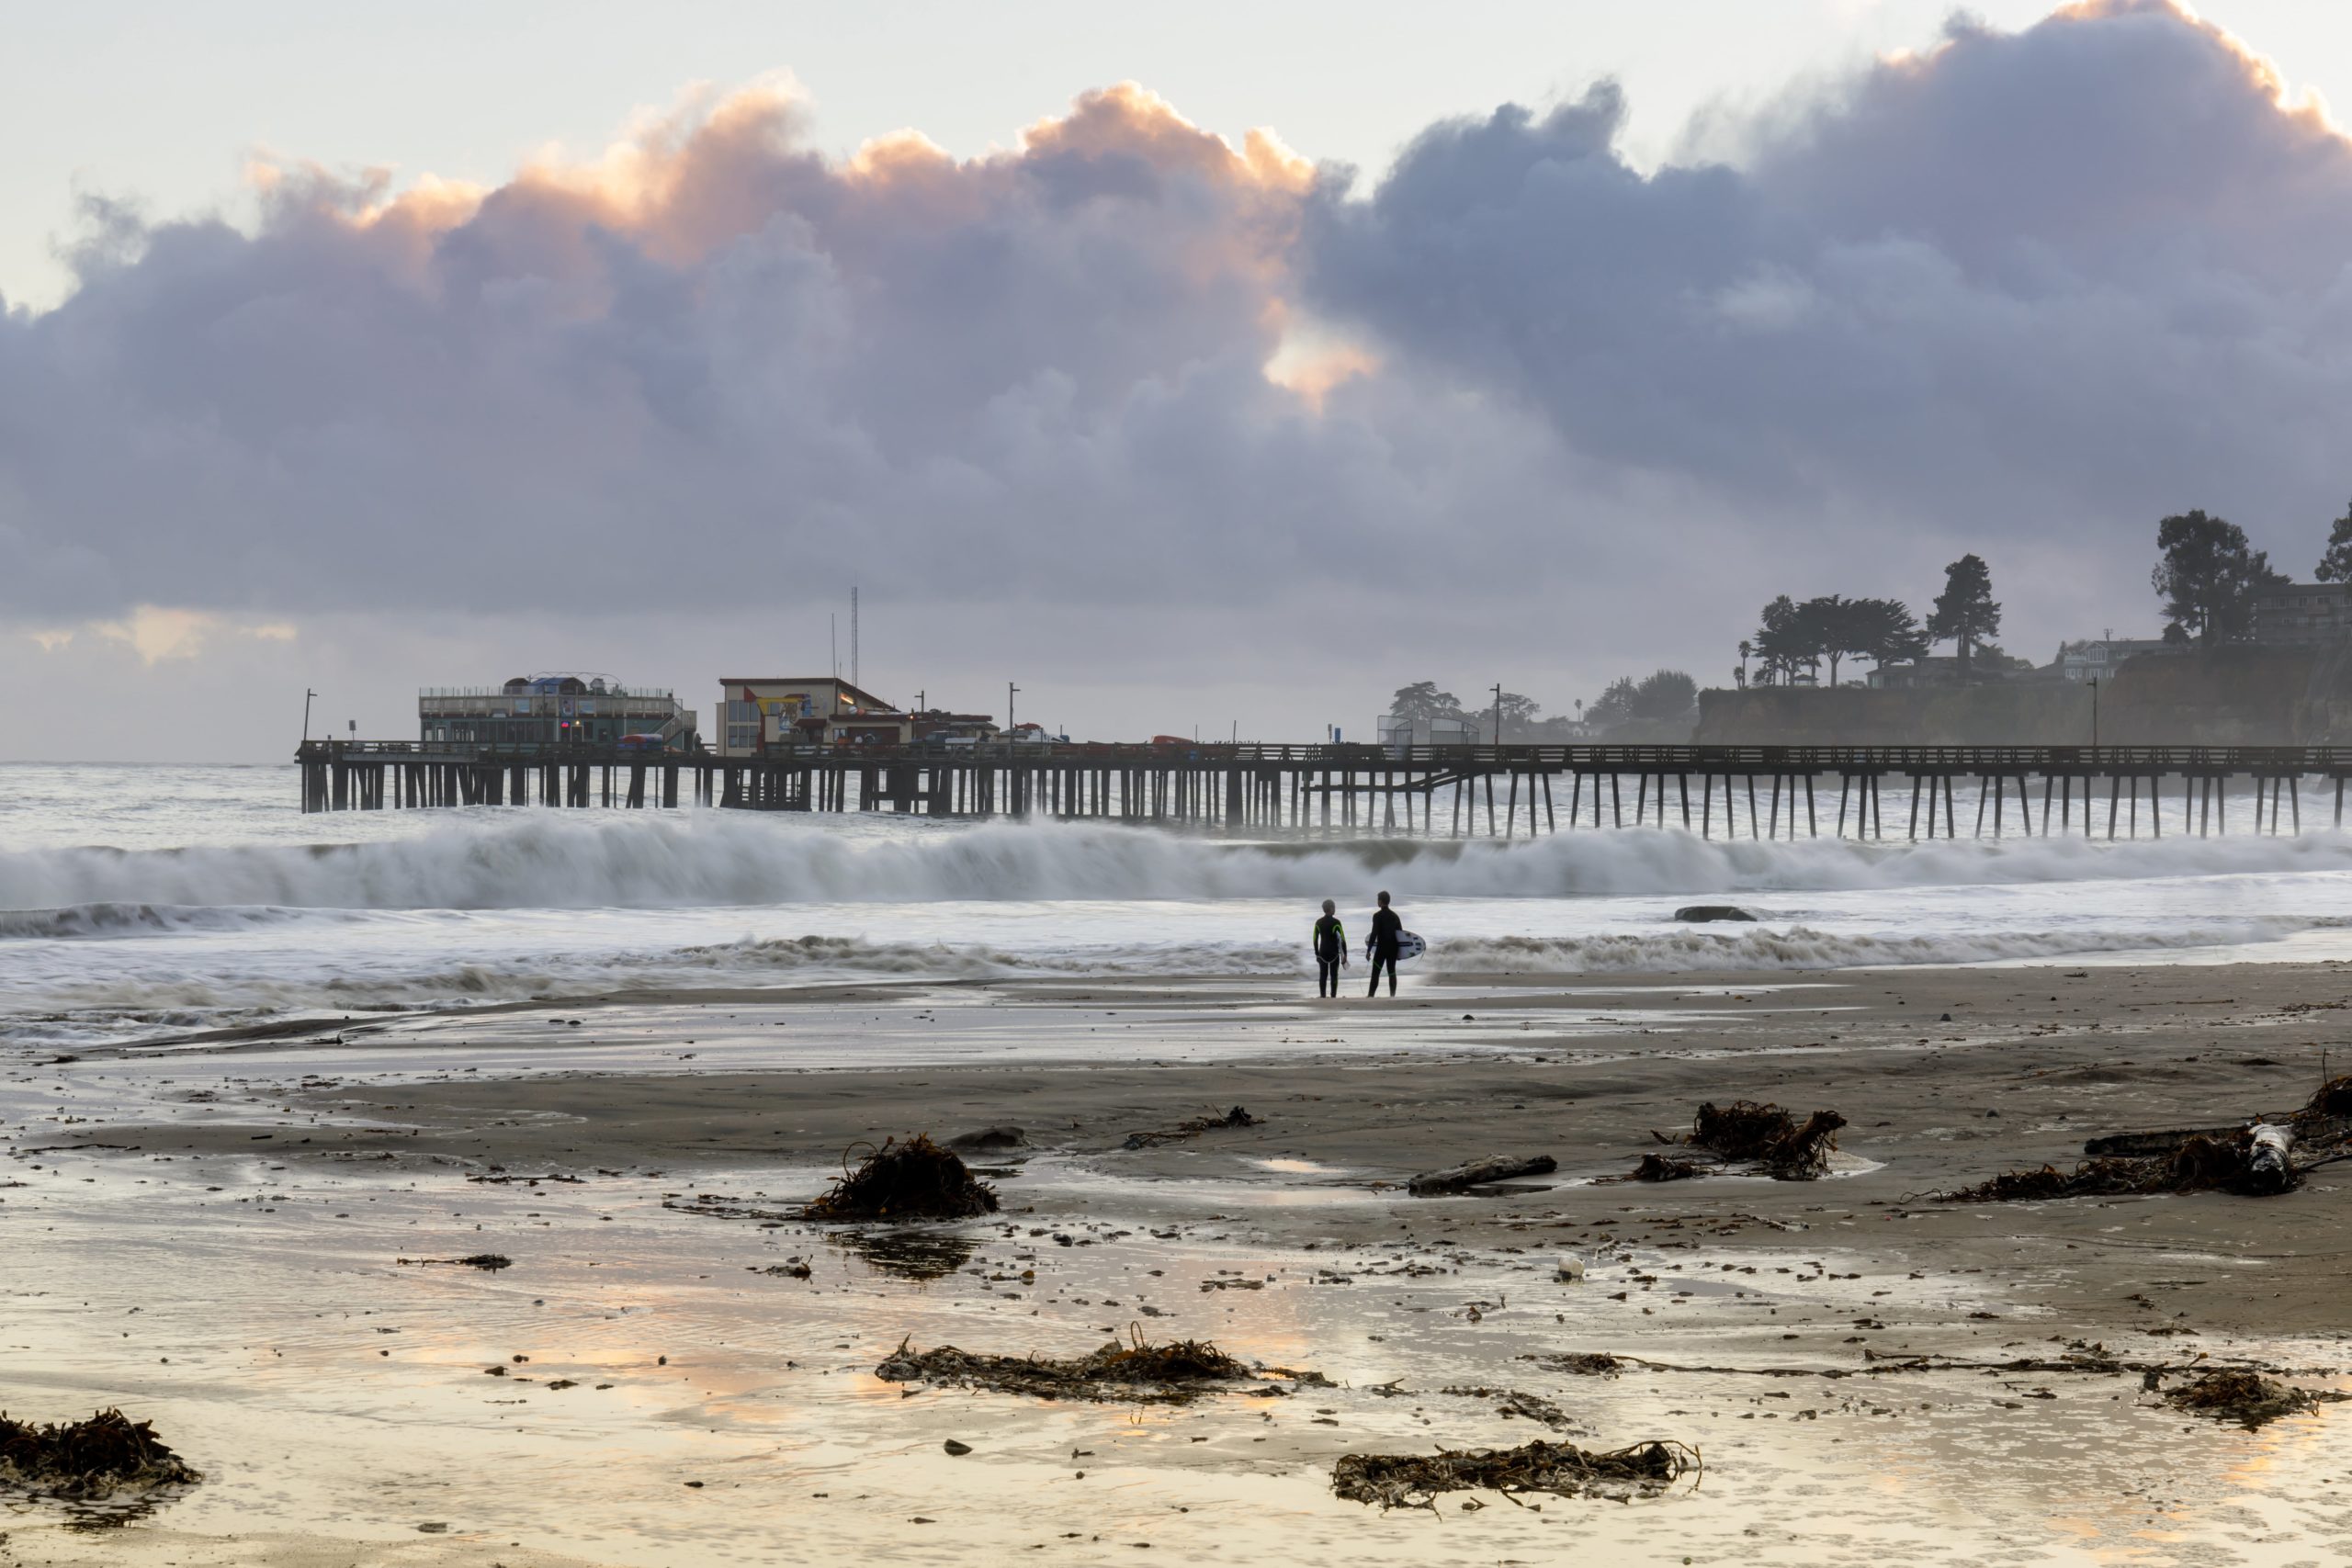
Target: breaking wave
(730,859)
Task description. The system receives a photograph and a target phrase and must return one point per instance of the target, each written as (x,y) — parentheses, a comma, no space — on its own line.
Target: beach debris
(1580,1364)
(1569,1271)
(1236,1117)
(488,1262)
(1178,1371)
(955,1450)
(2244,1398)
(92,1460)
(1517,1404)
(1663,1167)
(1480,1173)
(1414,1481)
(2143,1145)
(990,1140)
(2254,1162)
(916,1179)
(1788,1150)
(1701,913)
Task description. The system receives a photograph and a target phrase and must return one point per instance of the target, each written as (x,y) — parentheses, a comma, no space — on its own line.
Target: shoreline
(616,1153)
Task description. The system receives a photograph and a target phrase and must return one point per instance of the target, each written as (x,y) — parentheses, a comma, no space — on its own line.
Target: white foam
(552,861)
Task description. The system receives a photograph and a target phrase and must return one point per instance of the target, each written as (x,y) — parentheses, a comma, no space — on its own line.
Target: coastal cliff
(2235,696)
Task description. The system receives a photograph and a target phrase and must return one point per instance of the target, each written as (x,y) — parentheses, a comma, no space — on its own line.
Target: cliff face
(2238,696)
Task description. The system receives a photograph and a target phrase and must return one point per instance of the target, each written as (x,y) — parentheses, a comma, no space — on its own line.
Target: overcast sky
(1193,367)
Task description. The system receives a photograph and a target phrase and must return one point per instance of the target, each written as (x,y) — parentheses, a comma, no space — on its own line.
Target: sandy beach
(668,1393)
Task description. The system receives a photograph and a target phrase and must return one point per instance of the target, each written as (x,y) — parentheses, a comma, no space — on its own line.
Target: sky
(1198,367)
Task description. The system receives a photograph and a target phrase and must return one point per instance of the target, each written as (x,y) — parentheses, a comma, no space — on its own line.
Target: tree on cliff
(2336,566)
(1666,695)
(1876,629)
(2207,577)
(1519,714)
(1885,630)
(1422,702)
(1964,612)
(1786,641)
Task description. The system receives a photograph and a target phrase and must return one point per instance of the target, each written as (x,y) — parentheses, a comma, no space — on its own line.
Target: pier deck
(1755,792)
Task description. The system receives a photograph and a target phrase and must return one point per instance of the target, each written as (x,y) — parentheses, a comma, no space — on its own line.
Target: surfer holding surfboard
(1384,944)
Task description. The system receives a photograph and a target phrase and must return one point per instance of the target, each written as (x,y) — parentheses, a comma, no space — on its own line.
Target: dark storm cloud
(2073,277)
(2018,287)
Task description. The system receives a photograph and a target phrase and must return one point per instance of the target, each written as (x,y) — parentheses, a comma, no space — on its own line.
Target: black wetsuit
(1381,948)
(1330,951)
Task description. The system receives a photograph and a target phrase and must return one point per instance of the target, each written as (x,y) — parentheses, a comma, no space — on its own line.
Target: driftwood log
(1480,1173)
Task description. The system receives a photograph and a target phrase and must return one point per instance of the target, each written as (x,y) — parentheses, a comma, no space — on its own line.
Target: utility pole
(2094,713)
(852,636)
(1498,713)
(307,696)
(1011,691)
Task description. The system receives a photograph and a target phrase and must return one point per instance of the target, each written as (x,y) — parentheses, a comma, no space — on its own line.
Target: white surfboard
(1410,946)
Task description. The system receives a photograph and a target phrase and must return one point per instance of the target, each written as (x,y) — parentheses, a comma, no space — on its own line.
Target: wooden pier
(1734,792)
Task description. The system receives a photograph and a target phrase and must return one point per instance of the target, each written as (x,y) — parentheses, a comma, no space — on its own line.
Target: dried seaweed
(1788,1150)
(87,1460)
(913,1181)
(2244,1398)
(1414,1481)
(2241,1162)
(1236,1117)
(1178,1371)
(1664,1167)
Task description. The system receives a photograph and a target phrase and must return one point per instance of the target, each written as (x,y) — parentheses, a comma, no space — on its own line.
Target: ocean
(137,900)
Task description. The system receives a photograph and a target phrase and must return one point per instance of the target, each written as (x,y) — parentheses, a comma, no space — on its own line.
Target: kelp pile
(1236,1117)
(1178,1371)
(913,1181)
(1788,1150)
(1414,1481)
(2244,1398)
(2252,1162)
(88,1460)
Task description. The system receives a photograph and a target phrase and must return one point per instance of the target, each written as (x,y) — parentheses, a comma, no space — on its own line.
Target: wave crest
(738,859)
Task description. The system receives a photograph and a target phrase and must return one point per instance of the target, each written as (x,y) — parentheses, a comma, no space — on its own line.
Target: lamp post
(307,696)
(1011,691)
(1498,713)
(2094,713)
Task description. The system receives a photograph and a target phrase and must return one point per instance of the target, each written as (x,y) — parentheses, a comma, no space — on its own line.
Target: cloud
(1126,378)
(2074,277)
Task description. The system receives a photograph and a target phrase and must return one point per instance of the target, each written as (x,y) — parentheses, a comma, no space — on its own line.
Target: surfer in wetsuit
(1330,951)
(1381,945)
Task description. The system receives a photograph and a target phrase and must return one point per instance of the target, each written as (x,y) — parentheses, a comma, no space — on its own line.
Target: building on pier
(553,709)
(764,714)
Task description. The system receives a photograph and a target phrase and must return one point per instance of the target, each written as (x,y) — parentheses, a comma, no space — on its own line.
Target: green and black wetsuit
(1330,943)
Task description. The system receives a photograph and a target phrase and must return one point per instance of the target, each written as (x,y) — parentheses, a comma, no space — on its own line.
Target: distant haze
(1177,424)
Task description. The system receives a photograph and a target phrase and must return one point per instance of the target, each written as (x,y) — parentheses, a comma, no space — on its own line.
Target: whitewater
(215,901)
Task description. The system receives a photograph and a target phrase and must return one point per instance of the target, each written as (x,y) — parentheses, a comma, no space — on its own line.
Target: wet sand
(244,1205)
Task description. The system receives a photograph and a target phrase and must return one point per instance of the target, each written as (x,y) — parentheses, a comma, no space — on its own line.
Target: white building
(2099,655)
(2302,614)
